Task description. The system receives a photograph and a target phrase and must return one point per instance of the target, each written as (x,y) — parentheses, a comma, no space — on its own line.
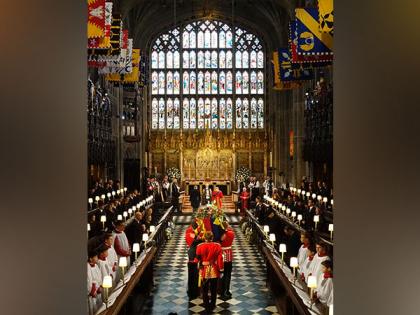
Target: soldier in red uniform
(210,258)
(192,237)
(226,242)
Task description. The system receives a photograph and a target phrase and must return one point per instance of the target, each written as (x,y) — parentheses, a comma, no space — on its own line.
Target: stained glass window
(170,114)
(186,113)
(154,60)
(155,113)
(192,59)
(161,113)
(222,113)
(200,82)
(214,114)
(200,115)
(222,83)
(169,60)
(238,113)
(253,113)
(214,82)
(193,83)
(193,114)
(186,83)
(176,113)
(223,65)
(169,83)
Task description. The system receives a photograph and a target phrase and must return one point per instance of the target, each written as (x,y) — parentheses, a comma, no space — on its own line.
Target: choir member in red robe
(210,258)
(226,243)
(244,197)
(217,196)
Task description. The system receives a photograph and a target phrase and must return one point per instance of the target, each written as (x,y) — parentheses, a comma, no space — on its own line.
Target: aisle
(249,294)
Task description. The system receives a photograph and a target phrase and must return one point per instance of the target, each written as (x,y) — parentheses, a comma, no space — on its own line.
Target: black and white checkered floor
(249,292)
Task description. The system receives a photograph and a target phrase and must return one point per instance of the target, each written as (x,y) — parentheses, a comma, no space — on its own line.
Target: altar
(224,186)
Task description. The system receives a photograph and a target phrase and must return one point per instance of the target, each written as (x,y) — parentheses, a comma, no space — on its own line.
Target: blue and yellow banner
(326,16)
(291,71)
(313,61)
(279,85)
(310,40)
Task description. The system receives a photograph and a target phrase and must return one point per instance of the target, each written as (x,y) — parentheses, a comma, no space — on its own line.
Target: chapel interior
(198,110)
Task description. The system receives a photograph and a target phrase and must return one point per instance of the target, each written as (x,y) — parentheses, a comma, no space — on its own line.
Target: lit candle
(118,191)
(122,264)
(90,200)
(331,229)
(299,217)
(319,197)
(130,211)
(308,194)
(125,214)
(283,208)
(272,238)
(288,211)
(145,238)
(294,264)
(266,229)
(106,284)
(103,220)
(303,193)
(313,196)
(136,249)
(316,220)
(298,191)
(293,215)
(324,200)
(103,197)
(138,205)
(97,199)
(88,227)
(108,195)
(113,193)
(312,285)
(152,229)
(282,250)
(119,217)
(332,202)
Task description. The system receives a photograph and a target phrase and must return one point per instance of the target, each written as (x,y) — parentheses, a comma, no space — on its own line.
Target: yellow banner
(129,77)
(326,16)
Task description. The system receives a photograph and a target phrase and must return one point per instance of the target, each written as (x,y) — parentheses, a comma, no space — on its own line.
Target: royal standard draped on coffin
(310,40)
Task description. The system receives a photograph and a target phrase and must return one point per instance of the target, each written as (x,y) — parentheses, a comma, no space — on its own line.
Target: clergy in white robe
(325,287)
(94,281)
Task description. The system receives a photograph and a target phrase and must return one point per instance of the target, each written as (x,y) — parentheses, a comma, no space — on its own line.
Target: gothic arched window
(206,74)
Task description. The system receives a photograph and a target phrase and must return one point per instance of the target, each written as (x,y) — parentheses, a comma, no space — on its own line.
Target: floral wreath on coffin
(210,218)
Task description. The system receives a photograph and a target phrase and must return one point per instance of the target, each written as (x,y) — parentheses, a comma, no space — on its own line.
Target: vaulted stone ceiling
(268,19)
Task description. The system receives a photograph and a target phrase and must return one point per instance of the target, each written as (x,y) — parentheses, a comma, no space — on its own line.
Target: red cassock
(189,236)
(211,259)
(218,196)
(227,240)
(244,200)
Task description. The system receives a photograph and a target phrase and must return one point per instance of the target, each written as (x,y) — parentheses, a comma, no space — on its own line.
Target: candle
(119,217)
(319,197)
(122,264)
(125,214)
(283,208)
(313,196)
(303,193)
(152,229)
(103,197)
(106,284)
(293,214)
(108,195)
(266,229)
(103,220)
(331,229)
(308,194)
(288,211)
(272,238)
(136,249)
(90,200)
(316,220)
(138,206)
(282,250)
(130,211)
(299,217)
(324,200)
(88,227)
(298,191)
(332,202)
(331,310)
(294,264)
(312,285)
(97,199)
(113,193)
